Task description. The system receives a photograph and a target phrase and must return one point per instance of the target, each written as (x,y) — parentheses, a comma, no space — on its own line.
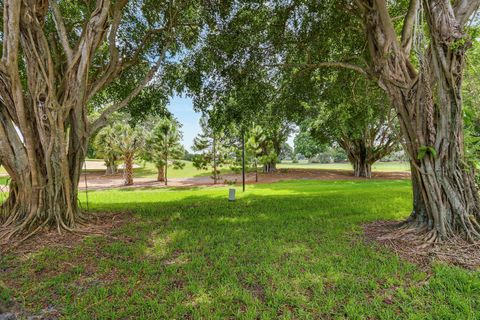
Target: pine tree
(212,149)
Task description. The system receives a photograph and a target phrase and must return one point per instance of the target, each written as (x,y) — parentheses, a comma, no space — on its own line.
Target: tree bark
(161,173)
(128,170)
(419,211)
(112,168)
(429,106)
(50,201)
(362,168)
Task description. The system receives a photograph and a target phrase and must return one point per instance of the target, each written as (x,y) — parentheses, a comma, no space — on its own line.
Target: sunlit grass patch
(283,250)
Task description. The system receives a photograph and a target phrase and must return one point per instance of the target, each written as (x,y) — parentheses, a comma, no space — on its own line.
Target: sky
(182,108)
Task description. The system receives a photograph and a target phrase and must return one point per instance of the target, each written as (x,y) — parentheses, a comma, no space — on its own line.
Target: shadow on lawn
(278,252)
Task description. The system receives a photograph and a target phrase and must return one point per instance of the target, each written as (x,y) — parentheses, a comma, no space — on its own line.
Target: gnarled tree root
(418,244)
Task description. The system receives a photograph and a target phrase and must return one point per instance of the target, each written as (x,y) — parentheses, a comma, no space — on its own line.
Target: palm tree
(105,145)
(164,147)
(128,142)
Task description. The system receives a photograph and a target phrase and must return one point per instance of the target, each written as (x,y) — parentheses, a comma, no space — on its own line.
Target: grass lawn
(4,181)
(378,166)
(288,250)
(149,171)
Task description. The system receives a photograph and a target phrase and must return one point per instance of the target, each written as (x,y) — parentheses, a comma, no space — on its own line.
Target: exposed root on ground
(94,224)
(421,246)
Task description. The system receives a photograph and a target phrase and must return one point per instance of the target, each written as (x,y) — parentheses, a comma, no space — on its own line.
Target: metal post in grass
(243,160)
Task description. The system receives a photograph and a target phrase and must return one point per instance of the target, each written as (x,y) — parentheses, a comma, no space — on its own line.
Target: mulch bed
(412,247)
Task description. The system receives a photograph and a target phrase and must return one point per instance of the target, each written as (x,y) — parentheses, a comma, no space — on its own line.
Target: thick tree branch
(113,67)
(92,34)
(12,150)
(321,65)
(409,25)
(464,9)
(101,120)
(11,29)
(62,32)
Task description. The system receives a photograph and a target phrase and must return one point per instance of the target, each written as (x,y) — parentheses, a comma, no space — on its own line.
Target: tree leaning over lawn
(164,147)
(57,57)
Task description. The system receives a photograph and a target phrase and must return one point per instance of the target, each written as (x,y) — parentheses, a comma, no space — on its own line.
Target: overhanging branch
(464,9)
(101,121)
(321,65)
(62,32)
(113,66)
(409,25)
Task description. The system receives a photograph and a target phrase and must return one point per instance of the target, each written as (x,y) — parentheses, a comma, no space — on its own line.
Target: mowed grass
(289,250)
(393,166)
(148,170)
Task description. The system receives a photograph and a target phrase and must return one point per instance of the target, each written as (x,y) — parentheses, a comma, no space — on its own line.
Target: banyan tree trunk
(128,171)
(358,156)
(270,167)
(161,173)
(446,200)
(362,168)
(111,168)
(42,197)
(428,102)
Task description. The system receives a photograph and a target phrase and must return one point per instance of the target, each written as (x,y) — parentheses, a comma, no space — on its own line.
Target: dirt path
(98,181)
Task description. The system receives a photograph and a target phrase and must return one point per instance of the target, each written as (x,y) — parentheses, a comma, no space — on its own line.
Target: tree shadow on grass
(281,252)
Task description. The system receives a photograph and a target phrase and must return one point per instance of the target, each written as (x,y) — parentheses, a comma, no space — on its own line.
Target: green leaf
(424,150)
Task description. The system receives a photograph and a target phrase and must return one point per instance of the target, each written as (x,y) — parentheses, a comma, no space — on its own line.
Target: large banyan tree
(421,69)
(355,114)
(58,57)
(414,49)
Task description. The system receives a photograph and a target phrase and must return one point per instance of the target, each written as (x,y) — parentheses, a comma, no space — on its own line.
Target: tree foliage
(212,149)
(306,145)
(164,147)
(104,144)
(128,142)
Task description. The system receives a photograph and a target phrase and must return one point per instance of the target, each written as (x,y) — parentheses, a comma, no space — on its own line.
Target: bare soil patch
(412,247)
